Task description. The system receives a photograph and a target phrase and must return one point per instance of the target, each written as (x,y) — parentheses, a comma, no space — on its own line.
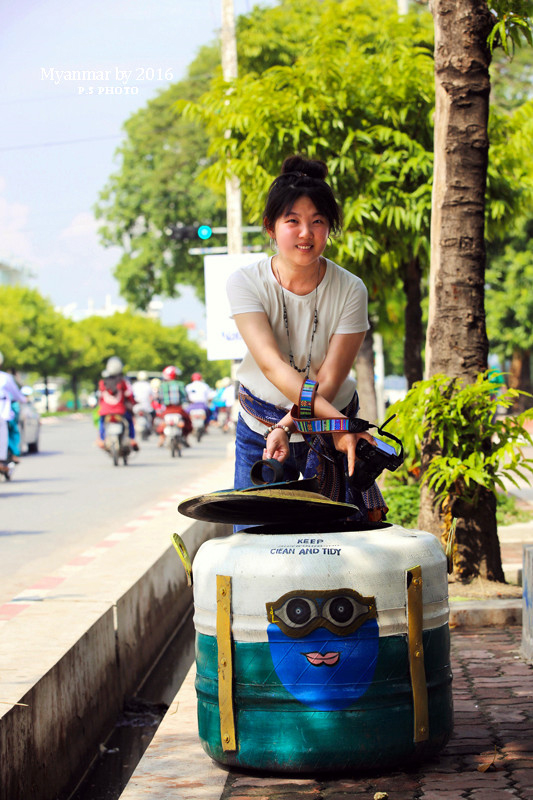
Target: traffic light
(183,233)
(205,232)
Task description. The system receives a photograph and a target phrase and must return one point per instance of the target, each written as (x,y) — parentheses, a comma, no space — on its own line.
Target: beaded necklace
(305,370)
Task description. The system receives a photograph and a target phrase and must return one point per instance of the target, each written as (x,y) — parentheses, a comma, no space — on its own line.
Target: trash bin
(321,645)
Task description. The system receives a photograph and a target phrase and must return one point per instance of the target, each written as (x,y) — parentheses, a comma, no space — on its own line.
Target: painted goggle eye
(297,612)
(341,611)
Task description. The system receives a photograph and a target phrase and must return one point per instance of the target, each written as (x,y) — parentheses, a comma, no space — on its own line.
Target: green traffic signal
(205,232)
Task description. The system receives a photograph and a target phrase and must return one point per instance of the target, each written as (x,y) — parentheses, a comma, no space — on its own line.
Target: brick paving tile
(250,797)
(521,746)
(241,779)
(292,794)
(493,704)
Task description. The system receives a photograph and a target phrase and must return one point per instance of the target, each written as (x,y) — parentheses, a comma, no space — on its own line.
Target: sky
(58,136)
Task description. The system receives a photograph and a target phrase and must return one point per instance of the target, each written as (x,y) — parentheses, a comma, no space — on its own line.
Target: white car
(29,425)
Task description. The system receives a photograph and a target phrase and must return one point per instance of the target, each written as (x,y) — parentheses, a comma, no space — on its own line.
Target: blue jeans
(131,427)
(249,447)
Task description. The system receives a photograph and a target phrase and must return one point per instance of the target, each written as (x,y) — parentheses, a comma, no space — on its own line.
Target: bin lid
(286,502)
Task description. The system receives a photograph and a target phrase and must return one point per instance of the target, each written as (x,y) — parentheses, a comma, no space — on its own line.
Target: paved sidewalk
(493,700)
(489,756)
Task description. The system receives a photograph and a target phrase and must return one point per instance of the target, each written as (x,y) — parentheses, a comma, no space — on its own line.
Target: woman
(301,316)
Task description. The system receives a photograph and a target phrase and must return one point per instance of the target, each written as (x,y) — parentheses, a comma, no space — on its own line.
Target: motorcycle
(198,417)
(116,439)
(173,431)
(143,423)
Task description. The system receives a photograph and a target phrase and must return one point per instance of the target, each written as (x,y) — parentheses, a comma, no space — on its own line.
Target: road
(69,496)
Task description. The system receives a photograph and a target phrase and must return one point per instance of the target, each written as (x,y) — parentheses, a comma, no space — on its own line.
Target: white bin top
(373,563)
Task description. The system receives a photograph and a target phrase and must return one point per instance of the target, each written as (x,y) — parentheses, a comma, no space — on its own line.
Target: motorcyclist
(199,395)
(172,395)
(144,395)
(115,397)
(223,402)
(9,392)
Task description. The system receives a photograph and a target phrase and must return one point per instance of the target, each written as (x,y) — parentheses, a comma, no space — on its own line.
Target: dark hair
(302,176)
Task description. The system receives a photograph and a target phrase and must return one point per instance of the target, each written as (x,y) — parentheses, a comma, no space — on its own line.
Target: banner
(223,339)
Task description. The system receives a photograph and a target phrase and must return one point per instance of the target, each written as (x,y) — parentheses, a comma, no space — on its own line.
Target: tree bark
(456,343)
(412,354)
(456,337)
(520,378)
(74,384)
(477,549)
(366,387)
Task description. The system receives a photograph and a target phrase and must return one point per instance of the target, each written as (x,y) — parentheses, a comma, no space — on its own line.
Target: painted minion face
(324,645)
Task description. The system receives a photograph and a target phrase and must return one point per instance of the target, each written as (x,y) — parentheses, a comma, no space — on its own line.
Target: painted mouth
(317,659)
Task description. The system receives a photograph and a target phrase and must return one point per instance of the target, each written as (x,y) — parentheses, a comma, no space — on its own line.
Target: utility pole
(229,72)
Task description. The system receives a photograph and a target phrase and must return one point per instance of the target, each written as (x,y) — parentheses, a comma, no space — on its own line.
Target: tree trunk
(456,336)
(412,354)
(456,343)
(520,378)
(75,392)
(477,550)
(366,388)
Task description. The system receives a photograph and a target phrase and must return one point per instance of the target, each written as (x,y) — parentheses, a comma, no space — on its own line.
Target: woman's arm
(256,331)
(342,352)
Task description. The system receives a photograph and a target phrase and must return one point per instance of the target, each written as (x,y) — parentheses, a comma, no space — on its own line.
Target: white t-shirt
(342,307)
(143,394)
(8,391)
(198,392)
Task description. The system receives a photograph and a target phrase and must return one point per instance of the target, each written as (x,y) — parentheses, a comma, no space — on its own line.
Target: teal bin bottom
(277,732)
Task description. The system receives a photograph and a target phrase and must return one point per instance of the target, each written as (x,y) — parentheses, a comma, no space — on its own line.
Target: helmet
(170,373)
(142,375)
(155,383)
(196,376)
(114,366)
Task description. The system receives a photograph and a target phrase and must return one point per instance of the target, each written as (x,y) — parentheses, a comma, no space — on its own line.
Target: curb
(485,613)
(68,661)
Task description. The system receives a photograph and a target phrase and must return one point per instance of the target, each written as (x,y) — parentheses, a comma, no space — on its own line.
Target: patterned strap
(302,415)
(315,425)
(307,398)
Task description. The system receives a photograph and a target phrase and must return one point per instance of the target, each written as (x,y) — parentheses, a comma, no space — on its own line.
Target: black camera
(373,459)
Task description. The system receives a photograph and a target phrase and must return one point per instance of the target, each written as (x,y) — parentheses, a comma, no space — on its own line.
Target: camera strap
(306,423)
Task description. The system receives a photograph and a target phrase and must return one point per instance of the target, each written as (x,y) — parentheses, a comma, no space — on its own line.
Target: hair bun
(306,166)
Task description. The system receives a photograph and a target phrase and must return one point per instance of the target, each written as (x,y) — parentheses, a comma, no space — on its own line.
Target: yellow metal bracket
(225,664)
(181,550)
(415,617)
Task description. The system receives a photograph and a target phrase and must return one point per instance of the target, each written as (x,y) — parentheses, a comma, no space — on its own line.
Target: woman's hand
(277,445)
(347,442)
